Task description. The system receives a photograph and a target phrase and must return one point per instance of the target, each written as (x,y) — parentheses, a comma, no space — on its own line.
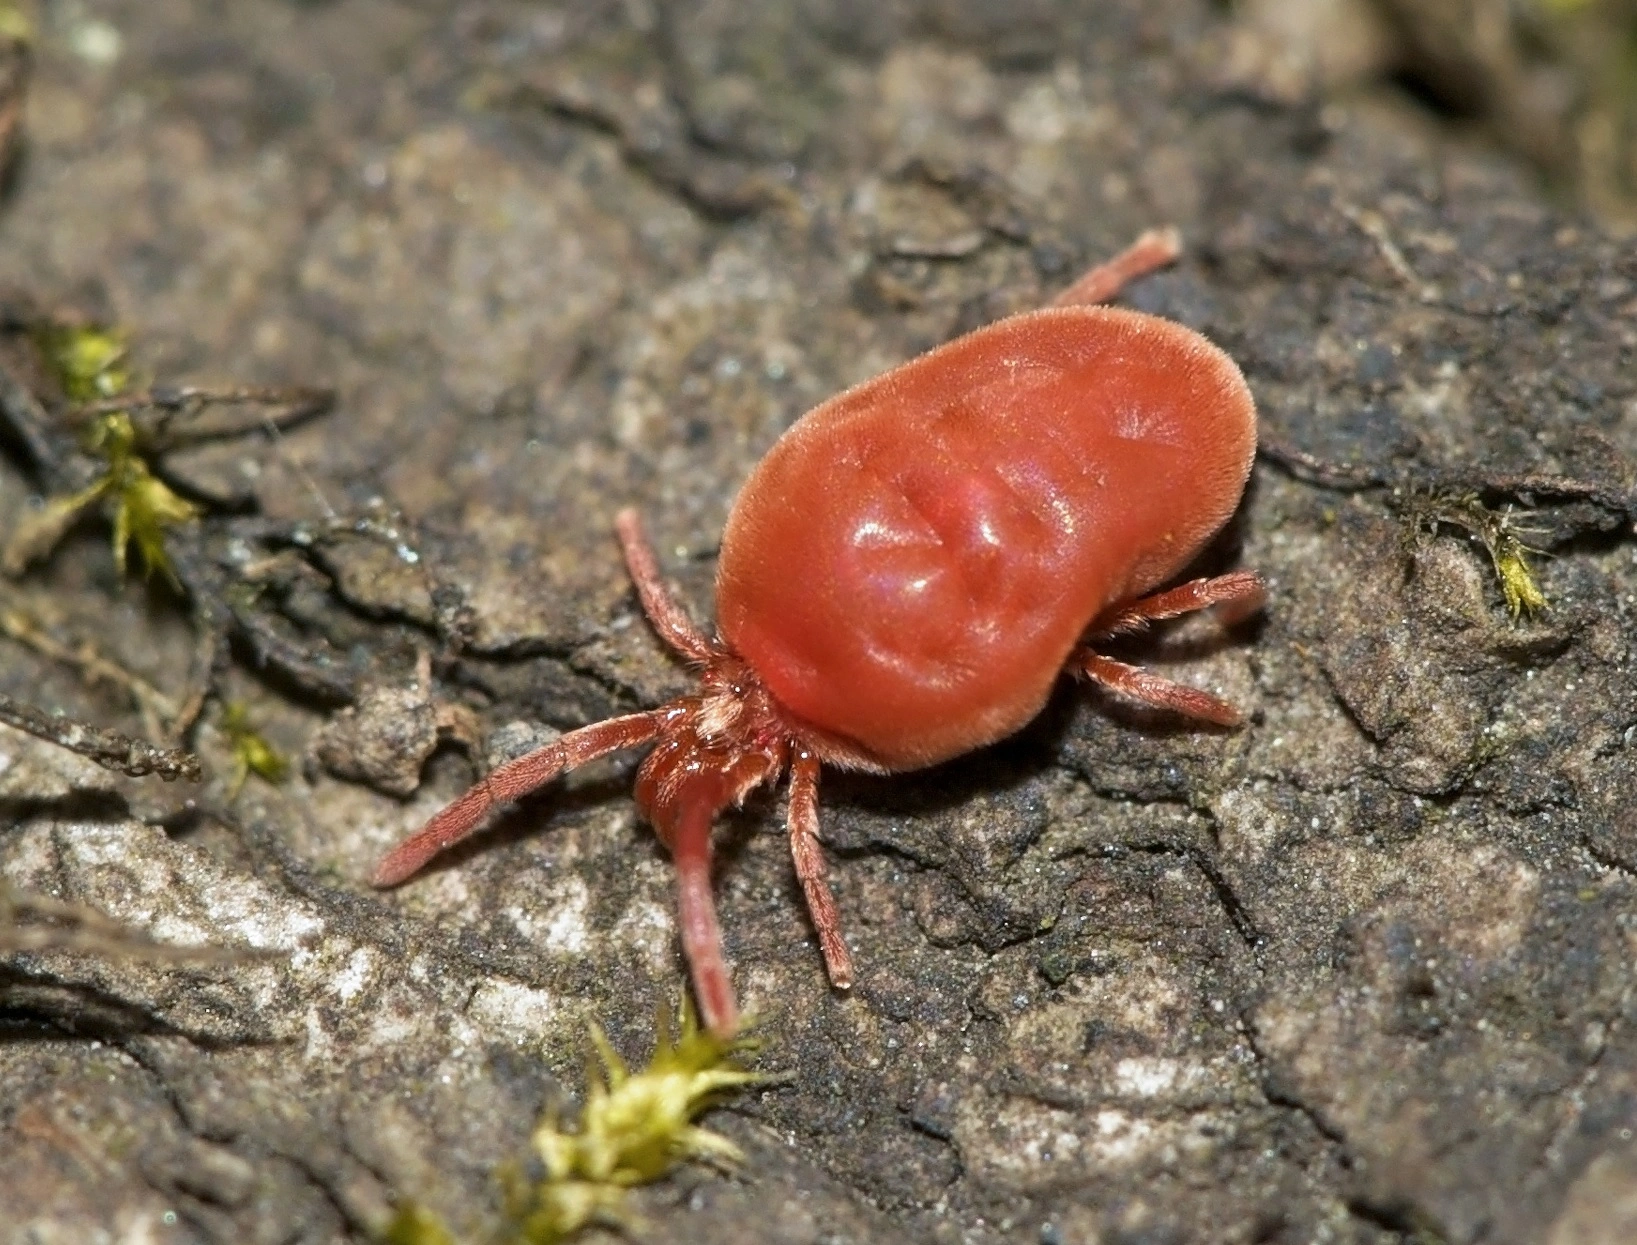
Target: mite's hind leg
(808,854)
(1155,249)
(1151,689)
(1235,596)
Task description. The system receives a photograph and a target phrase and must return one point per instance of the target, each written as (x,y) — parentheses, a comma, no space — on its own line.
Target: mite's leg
(1235,596)
(696,919)
(808,854)
(1155,249)
(1151,689)
(511,780)
(669,619)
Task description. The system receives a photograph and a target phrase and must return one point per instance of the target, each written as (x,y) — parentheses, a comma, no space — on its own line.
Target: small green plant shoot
(252,753)
(89,365)
(635,1128)
(1497,533)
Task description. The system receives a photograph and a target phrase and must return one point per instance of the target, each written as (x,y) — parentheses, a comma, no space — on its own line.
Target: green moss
(88,361)
(142,504)
(88,365)
(635,1128)
(415,1225)
(14,24)
(1498,533)
(252,753)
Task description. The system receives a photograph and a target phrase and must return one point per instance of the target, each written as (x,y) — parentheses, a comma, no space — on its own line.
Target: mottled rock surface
(1362,972)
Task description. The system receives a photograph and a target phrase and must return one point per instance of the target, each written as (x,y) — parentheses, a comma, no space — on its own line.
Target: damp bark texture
(1361,972)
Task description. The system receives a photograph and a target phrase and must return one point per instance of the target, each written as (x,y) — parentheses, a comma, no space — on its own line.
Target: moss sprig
(252,752)
(89,366)
(635,1128)
(88,361)
(141,505)
(1497,532)
(15,24)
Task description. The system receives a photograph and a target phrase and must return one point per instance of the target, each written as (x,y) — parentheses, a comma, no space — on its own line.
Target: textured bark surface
(1362,972)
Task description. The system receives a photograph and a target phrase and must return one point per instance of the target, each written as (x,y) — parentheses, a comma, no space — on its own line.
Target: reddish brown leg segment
(696,916)
(1155,249)
(669,619)
(511,780)
(809,857)
(1151,689)
(1238,594)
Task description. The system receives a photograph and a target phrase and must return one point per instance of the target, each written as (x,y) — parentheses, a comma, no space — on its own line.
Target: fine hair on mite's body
(909,570)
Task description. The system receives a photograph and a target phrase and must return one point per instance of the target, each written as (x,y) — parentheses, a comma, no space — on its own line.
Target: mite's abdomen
(912,562)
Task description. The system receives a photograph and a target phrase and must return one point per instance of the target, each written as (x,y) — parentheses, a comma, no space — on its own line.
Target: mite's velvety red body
(911,567)
(964,518)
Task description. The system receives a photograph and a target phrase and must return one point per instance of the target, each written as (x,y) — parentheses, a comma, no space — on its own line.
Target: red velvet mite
(911,567)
